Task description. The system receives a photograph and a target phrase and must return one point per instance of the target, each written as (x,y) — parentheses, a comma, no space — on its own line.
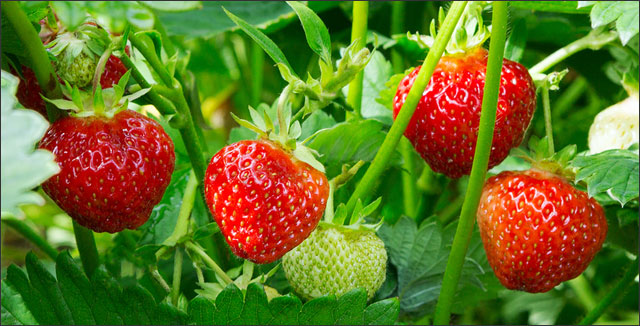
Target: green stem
(479,167)
(616,293)
(209,262)
(156,276)
(548,127)
(409,190)
(358,33)
(36,53)
(148,51)
(390,142)
(581,287)
(594,40)
(31,235)
(177,276)
(257,63)
(87,248)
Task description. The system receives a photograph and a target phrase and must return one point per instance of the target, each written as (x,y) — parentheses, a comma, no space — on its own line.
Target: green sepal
(542,158)
(247,124)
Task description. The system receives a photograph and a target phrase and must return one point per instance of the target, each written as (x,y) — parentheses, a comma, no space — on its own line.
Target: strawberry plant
(320,162)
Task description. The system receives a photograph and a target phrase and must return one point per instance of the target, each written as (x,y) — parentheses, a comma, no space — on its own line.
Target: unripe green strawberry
(616,127)
(335,260)
(77,69)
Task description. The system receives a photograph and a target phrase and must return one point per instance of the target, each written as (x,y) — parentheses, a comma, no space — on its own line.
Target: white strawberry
(616,127)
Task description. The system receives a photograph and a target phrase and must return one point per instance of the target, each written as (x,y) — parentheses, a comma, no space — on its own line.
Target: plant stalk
(359,34)
(177,276)
(616,293)
(479,167)
(548,127)
(370,178)
(87,248)
(209,262)
(36,53)
(31,235)
(594,40)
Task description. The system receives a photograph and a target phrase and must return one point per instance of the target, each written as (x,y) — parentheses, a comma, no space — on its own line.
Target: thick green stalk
(188,199)
(177,276)
(616,293)
(409,190)
(548,127)
(36,53)
(581,287)
(479,167)
(87,248)
(381,159)
(358,33)
(31,235)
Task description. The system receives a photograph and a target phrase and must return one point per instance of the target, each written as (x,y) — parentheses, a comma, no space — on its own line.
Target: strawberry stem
(479,167)
(87,247)
(390,142)
(548,127)
(36,53)
(616,293)
(359,34)
(177,275)
(209,262)
(102,63)
(155,274)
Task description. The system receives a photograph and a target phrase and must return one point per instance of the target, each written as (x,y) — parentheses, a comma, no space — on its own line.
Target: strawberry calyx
(470,33)
(542,158)
(100,102)
(286,135)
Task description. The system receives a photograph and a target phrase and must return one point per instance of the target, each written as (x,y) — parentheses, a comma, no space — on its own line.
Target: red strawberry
(29,90)
(113,71)
(538,230)
(265,201)
(444,127)
(113,170)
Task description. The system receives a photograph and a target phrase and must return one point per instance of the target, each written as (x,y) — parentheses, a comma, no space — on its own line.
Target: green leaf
(388,93)
(624,13)
(568,7)
(514,49)
(376,74)
(420,255)
(23,168)
(614,172)
(263,40)
(350,142)
(316,121)
(164,216)
(174,6)
(14,309)
(210,20)
(232,307)
(71,298)
(316,32)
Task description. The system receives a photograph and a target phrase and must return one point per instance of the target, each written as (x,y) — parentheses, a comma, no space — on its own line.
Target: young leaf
(263,40)
(315,30)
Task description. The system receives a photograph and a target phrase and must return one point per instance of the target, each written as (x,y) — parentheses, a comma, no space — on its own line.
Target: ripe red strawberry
(538,230)
(265,201)
(444,127)
(29,90)
(113,170)
(113,71)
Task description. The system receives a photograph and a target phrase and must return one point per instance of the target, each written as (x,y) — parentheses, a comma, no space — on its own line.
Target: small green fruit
(335,260)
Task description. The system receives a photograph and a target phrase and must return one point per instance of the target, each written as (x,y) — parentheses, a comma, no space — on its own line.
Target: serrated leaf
(314,29)
(390,88)
(23,168)
(614,172)
(624,13)
(14,309)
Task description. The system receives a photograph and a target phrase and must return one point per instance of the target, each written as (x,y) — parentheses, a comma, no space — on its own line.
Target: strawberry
(113,170)
(29,90)
(538,230)
(334,260)
(444,127)
(616,127)
(264,200)
(113,70)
